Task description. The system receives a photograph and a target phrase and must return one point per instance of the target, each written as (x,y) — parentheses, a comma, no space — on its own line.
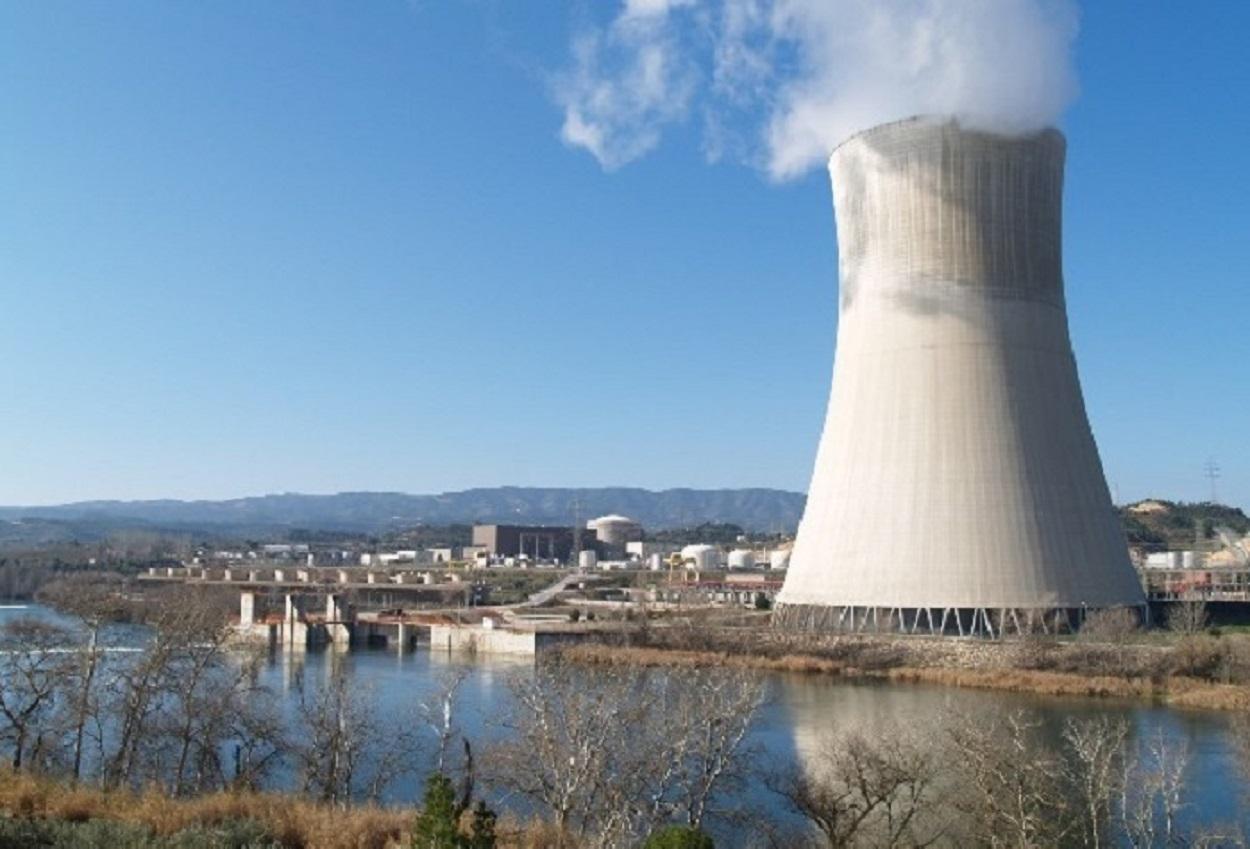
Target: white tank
(701,556)
(779,558)
(655,562)
(615,531)
(741,558)
(587,559)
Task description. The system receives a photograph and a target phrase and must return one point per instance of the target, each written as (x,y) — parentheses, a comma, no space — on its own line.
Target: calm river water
(800,710)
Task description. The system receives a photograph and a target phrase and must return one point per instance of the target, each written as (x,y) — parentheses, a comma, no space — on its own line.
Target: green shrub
(678,837)
(438,824)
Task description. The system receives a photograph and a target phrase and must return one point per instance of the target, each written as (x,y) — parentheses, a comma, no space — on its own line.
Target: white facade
(957,469)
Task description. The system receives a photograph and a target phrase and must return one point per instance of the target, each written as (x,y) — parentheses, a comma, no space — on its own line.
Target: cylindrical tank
(614,531)
(957,468)
(741,558)
(655,562)
(701,556)
(587,559)
(779,558)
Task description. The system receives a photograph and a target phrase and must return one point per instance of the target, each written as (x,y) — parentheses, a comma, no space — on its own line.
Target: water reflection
(800,713)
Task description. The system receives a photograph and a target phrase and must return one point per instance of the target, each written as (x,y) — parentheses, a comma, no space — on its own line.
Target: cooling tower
(957,485)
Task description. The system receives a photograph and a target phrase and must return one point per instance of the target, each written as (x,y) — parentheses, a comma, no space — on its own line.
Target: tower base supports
(982,622)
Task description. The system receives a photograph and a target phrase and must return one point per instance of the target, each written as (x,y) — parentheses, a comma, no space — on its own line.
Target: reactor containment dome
(957,486)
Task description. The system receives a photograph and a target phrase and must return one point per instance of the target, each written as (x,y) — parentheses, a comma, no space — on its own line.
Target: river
(799,711)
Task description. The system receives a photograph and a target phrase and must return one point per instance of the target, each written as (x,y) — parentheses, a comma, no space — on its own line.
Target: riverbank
(1197,672)
(34,810)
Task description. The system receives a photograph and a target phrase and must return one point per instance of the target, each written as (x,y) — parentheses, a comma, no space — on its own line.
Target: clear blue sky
(320,246)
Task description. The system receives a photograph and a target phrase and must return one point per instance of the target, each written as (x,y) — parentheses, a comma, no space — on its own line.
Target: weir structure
(957,486)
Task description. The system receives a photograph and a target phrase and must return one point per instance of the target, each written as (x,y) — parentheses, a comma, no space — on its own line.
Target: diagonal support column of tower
(957,479)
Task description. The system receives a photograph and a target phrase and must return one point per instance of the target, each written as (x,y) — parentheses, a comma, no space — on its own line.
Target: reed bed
(1176,690)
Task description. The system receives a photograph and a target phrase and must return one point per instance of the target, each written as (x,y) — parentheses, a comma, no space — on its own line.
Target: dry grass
(293,821)
(1176,690)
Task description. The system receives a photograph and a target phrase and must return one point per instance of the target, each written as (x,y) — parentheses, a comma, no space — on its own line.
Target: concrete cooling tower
(957,486)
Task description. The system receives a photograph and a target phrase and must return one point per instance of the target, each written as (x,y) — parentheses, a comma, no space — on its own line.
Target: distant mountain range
(753,509)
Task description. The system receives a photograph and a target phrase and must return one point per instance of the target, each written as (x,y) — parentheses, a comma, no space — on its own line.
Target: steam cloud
(802,75)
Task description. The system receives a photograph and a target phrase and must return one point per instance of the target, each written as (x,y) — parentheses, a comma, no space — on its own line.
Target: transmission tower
(1212,472)
(575,557)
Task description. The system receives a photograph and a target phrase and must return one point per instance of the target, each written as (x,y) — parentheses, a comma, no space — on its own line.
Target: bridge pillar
(337,618)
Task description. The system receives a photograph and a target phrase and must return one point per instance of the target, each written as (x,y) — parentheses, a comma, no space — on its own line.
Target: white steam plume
(802,75)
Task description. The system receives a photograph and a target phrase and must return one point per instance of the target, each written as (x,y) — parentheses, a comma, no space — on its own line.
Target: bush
(1201,657)
(107,834)
(679,837)
(438,824)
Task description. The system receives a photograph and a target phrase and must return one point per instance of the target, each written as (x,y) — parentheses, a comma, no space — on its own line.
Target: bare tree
(1094,765)
(440,715)
(569,735)
(92,599)
(706,716)
(860,792)
(612,752)
(1188,618)
(32,678)
(1153,793)
(344,751)
(185,637)
(1015,795)
(1115,625)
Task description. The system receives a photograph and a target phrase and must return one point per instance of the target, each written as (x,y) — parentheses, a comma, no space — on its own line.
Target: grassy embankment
(1201,672)
(41,812)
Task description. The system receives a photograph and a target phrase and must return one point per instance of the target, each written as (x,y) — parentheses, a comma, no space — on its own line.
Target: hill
(753,509)
(1156,525)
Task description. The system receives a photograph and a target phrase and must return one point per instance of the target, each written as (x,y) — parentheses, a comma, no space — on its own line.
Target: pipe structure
(957,472)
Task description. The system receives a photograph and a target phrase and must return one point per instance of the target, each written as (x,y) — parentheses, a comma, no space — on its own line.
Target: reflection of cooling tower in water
(957,485)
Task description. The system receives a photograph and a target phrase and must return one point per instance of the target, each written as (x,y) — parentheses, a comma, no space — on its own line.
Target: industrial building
(957,486)
(539,542)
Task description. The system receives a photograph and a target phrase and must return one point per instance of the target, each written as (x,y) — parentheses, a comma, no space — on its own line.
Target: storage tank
(587,559)
(957,480)
(779,558)
(701,557)
(615,531)
(741,558)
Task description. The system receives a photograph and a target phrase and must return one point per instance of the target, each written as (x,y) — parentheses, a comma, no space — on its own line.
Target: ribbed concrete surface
(957,467)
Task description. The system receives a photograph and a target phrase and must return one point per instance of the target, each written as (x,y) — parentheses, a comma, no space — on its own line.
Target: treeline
(712,533)
(24,574)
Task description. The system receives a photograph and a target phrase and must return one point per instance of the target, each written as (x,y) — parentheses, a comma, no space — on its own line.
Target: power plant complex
(957,486)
